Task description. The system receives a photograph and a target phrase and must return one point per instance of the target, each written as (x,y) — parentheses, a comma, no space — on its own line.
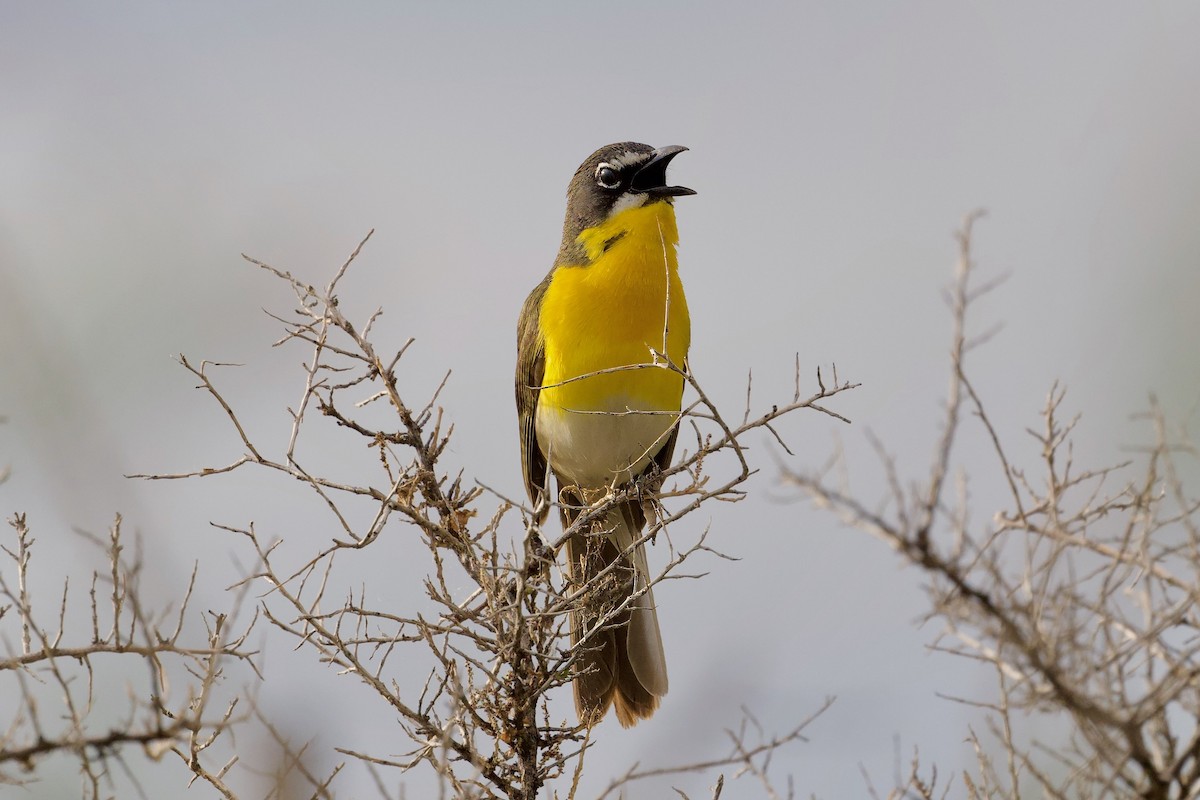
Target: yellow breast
(613,313)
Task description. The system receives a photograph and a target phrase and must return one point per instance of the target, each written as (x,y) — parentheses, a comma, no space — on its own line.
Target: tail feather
(643,639)
(622,665)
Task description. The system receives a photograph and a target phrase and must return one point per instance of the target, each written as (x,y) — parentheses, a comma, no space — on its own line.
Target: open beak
(651,179)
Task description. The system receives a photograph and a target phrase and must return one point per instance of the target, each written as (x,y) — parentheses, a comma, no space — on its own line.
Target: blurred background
(835,147)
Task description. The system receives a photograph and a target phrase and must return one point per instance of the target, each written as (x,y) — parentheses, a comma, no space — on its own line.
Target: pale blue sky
(835,147)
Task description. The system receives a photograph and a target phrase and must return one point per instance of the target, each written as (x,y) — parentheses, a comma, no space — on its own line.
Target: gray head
(615,178)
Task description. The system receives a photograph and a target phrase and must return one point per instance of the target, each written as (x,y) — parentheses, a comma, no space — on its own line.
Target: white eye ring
(607,176)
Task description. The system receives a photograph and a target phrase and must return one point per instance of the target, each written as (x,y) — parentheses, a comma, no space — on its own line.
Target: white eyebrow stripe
(628,158)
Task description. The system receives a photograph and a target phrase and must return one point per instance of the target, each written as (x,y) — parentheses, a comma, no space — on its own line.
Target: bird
(602,345)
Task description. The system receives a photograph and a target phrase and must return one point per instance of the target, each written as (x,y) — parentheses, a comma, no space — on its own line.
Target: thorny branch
(1082,598)
(481,722)
(52,667)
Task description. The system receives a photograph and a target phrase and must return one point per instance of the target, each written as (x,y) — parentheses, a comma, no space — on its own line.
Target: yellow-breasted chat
(601,343)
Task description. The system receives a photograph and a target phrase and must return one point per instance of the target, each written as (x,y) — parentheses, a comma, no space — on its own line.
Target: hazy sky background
(835,148)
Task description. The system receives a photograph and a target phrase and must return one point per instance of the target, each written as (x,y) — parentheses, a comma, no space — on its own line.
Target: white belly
(593,449)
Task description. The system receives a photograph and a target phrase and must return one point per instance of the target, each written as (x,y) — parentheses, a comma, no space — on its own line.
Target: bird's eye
(607,177)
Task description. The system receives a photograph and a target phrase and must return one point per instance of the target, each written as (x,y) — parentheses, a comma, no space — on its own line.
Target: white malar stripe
(627,201)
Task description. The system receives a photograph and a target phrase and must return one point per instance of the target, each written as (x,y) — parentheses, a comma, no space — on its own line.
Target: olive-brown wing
(531,367)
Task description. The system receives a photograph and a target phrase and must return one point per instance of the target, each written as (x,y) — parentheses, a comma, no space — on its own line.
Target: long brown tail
(621,664)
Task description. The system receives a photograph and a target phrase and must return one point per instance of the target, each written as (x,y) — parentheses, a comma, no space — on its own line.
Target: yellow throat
(612,312)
